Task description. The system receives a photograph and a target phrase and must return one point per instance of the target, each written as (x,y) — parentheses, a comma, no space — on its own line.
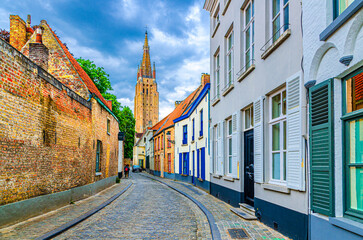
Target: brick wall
(47,132)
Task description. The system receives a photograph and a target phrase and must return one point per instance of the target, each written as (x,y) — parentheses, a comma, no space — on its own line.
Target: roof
(140,138)
(178,111)
(86,79)
(195,103)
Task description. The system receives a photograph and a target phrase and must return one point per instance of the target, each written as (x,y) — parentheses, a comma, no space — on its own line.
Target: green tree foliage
(124,114)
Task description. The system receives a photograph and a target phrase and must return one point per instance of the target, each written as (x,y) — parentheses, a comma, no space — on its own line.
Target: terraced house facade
(258,111)
(57,132)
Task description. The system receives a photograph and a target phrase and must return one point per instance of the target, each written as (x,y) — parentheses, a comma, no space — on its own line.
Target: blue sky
(111,33)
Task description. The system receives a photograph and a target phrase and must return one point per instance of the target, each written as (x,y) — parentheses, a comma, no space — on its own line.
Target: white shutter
(295,171)
(234,145)
(220,150)
(211,149)
(258,140)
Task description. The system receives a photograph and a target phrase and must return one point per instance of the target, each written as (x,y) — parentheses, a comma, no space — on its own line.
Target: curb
(212,224)
(79,219)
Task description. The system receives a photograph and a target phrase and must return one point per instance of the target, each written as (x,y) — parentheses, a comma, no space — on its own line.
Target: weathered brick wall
(47,138)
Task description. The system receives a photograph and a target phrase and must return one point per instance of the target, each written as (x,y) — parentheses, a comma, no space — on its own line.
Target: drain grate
(237,233)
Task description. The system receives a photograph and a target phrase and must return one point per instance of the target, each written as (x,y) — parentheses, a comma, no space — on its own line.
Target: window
(278,137)
(229,146)
(162,142)
(169,162)
(216,18)
(280,17)
(354,145)
(185,134)
(229,59)
(193,130)
(201,123)
(168,135)
(98,156)
(340,6)
(249,32)
(108,126)
(216,75)
(200,163)
(248,118)
(215,148)
(185,163)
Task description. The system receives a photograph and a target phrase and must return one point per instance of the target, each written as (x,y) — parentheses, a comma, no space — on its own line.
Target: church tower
(146,108)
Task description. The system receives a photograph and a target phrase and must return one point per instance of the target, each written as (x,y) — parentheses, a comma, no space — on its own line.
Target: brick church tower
(146,108)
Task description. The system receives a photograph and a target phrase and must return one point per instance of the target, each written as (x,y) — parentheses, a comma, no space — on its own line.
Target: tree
(124,114)
(5,35)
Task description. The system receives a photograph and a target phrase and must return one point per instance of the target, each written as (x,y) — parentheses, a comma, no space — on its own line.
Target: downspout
(162,162)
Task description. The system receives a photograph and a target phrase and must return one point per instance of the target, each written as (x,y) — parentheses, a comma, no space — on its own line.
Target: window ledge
(192,142)
(201,137)
(215,101)
(347,224)
(276,188)
(216,176)
(226,7)
(245,73)
(229,179)
(184,175)
(228,89)
(98,173)
(200,180)
(341,19)
(215,29)
(184,144)
(276,44)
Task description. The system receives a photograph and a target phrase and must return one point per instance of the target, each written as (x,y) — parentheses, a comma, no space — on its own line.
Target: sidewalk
(37,226)
(224,218)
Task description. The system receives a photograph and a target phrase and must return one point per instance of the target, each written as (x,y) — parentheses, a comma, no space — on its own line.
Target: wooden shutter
(198,163)
(203,163)
(211,150)
(258,139)
(220,150)
(234,145)
(180,163)
(187,162)
(321,148)
(295,167)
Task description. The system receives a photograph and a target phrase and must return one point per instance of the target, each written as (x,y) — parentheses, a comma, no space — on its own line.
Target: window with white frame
(216,75)
(215,148)
(229,59)
(216,18)
(249,32)
(229,146)
(280,17)
(277,127)
(248,117)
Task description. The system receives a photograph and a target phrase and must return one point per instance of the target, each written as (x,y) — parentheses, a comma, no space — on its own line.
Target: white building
(149,150)
(258,110)
(192,163)
(333,57)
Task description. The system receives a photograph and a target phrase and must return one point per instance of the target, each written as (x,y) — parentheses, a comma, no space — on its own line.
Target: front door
(193,177)
(248,168)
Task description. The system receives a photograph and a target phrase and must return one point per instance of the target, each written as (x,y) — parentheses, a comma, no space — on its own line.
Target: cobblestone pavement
(148,210)
(224,218)
(42,224)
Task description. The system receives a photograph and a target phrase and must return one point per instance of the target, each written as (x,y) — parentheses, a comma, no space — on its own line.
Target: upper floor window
(193,130)
(278,136)
(229,59)
(280,17)
(216,18)
(216,75)
(162,142)
(340,6)
(185,134)
(168,136)
(201,123)
(108,126)
(249,32)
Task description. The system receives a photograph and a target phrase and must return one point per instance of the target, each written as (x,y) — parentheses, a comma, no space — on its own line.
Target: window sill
(226,7)
(228,179)
(184,144)
(192,142)
(276,188)
(228,89)
(347,224)
(276,44)
(201,137)
(215,101)
(184,175)
(341,19)
(200,180)
(245,73)
(215,29)
(98,173)
(216,176)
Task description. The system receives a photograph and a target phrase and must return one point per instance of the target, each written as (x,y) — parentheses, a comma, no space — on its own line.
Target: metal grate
(238,233)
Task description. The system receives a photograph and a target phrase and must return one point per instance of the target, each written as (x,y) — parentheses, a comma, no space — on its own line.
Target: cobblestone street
(147,210)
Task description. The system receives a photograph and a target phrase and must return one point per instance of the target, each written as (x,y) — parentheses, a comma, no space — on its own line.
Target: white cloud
(127,102)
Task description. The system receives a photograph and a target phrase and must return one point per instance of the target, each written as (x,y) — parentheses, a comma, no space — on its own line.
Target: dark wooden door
(249,168)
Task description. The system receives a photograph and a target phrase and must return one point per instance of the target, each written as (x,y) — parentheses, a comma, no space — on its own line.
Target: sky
(111,33)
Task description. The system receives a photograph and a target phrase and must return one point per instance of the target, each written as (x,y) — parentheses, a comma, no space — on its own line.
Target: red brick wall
(47,139)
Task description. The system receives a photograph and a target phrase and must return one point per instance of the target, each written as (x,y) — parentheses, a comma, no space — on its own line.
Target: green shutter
(322,148)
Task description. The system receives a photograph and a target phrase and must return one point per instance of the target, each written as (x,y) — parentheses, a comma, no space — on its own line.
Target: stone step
(243,214)
(247,208)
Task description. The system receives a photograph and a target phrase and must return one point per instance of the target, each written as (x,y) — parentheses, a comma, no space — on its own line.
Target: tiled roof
(86,79)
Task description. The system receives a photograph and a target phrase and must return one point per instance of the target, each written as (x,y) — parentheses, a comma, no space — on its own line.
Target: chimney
(109,104)
(29,30)
(38,52)
(17,32)
(205,78)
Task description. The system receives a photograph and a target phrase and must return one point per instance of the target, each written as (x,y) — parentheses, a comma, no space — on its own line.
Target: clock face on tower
(146,103)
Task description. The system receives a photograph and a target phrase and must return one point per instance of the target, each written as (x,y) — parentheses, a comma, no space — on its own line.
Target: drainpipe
(162,162)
